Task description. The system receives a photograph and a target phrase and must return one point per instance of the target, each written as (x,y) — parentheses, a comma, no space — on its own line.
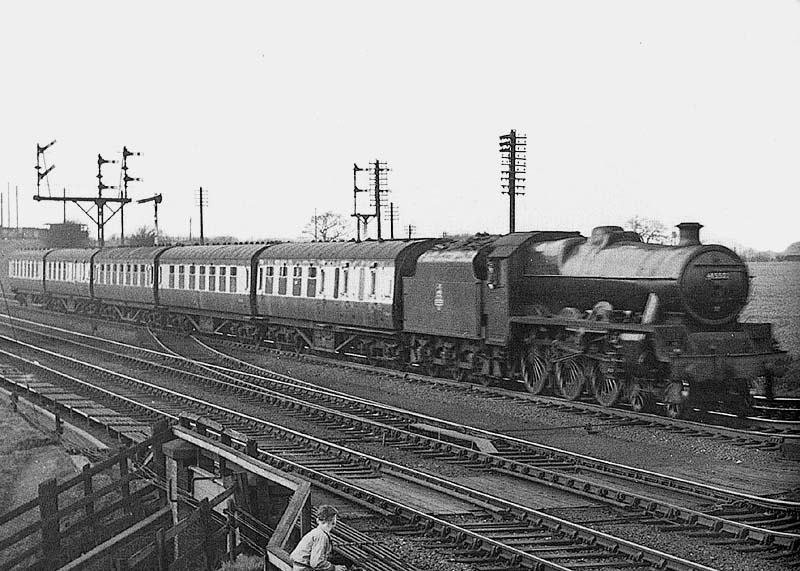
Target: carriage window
(270,277)
(373,280)
(212,278)
(149,273)
(284,272)
(127,274)
(181,276)
(260,286)
(202,285)
(171,279)
(297,280)
(233,289)
(361,283)
(345,275)
(192,270)
(223,277)
(336,283)
(311,287)
(321,282)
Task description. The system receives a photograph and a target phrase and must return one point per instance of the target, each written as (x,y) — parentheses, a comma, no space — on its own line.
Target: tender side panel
(444,297)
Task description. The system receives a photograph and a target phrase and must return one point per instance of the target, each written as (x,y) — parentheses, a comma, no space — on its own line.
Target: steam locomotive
(605,315)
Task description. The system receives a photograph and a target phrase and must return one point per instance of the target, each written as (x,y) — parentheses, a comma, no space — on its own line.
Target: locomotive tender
(558,311)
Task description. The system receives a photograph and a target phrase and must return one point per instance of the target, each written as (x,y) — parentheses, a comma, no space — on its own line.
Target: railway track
(779,422)
(487,529)
(519,459)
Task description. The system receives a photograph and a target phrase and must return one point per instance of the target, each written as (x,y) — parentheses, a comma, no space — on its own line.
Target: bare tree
(144,236)
(327,227)
(652,231)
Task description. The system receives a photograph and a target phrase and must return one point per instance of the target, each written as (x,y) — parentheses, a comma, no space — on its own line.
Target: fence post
(125,489)
(205,526)
(305,518)
(231,525)
(160,429)
(88,490)
(48,507)
(161,550)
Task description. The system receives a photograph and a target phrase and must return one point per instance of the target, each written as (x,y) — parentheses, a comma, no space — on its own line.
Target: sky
(672,110)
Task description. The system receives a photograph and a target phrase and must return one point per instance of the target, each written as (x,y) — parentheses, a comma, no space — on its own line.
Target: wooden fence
(58,534)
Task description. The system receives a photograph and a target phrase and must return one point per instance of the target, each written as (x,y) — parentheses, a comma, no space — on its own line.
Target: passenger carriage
(336,296)
(124,281)
(207,288)
(26,275)
(68,279)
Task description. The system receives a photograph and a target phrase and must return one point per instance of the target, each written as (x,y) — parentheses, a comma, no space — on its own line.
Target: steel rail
(568,482)
(569,529)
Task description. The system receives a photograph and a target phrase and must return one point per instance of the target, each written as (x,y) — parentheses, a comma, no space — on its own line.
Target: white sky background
(675,110)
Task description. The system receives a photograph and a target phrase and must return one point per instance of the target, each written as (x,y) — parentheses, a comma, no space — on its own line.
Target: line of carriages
(281,290)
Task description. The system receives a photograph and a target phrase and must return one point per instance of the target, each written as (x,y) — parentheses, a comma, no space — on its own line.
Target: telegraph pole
(411,229)
(391,216)
(512,171)
(202,201)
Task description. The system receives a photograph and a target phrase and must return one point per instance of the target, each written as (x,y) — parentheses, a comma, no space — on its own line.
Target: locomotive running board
(583,325)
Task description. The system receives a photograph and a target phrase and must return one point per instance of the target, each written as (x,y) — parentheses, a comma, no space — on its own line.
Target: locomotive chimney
(689,233)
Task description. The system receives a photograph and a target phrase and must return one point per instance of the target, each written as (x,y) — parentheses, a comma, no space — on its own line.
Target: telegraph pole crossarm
(512,173)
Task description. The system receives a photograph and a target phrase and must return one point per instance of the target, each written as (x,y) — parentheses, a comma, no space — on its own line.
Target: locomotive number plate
(718,276)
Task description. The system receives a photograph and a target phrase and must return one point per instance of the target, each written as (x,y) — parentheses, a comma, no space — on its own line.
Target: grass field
(775,298)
